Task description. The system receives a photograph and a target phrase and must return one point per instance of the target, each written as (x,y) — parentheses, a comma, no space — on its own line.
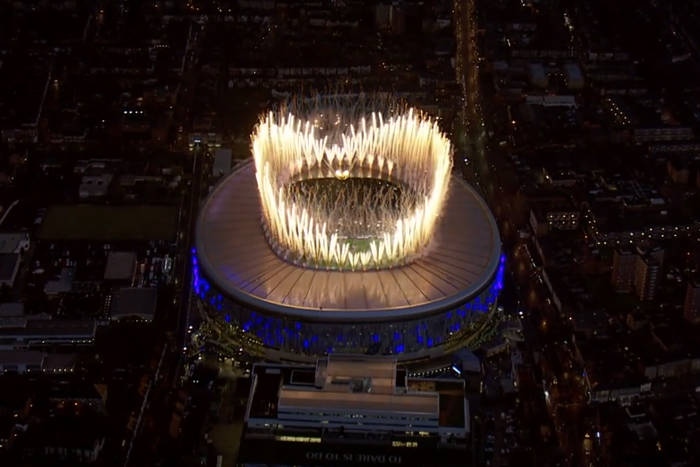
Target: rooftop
(120,265)
(358,384)
(135,301)
(234,254)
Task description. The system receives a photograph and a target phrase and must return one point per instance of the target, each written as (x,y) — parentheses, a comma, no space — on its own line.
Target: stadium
(347,235)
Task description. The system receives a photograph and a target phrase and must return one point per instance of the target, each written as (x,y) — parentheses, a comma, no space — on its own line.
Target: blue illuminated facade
(258,329)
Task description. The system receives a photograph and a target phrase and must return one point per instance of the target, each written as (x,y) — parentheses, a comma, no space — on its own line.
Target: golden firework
(407,150)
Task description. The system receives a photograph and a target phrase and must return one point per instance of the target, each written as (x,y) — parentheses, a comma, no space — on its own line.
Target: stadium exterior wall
(266,332)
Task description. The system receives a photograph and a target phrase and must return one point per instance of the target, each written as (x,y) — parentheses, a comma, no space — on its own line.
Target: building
(657,134)
(574,76)
(9,267)
(32,333)
(206,141)
(258,301)
(121,266)
(537,75)
(94,186)
(655,252)
(222,163)
(623,270)
(555,100)
(12,244)
(691,307)
(647,274)
(353,410)
(74,440)
(21,361)
(62,284)
(134,302)
(35,361)
(548,216)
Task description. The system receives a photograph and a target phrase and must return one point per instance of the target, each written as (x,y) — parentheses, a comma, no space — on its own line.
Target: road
(563,390)
(150,437)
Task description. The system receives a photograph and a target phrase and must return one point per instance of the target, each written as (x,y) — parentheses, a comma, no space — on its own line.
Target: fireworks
(386,221)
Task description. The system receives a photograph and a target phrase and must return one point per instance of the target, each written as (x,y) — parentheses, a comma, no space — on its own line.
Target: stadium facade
(255,300)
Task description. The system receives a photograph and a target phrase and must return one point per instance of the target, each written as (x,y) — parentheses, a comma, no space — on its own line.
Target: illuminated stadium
(347,233)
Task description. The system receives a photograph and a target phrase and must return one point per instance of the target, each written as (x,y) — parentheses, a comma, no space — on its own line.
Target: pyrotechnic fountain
(388,180)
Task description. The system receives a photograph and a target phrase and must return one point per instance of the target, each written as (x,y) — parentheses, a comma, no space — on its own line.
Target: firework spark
(407,151)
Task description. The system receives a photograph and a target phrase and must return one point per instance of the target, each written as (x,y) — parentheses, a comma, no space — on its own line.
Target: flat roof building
(351,410)
(21,361)
(62,284)
(14,242)
(134,302)
(39,332)
(222,163)
(9,267)
(691,305)
(120,265)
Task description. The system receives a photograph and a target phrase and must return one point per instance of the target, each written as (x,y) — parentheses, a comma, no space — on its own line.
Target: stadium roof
(233,253)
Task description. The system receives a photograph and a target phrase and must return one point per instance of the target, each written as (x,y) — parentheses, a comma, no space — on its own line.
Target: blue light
(399,348)
(306,344)
(227,318)
(375,338)
(430,341)
(297,325)
(397,336)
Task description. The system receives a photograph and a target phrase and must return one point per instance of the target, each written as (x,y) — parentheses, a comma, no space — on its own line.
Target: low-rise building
(120,266)
(134,302)
(548,216)
(94,186)
(45,332)
(353,409)
(647,274)
(691,306)
(21,361)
